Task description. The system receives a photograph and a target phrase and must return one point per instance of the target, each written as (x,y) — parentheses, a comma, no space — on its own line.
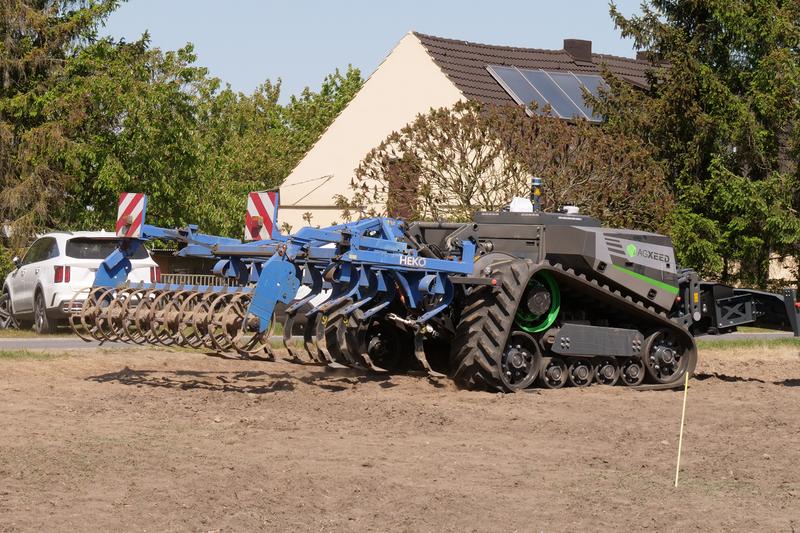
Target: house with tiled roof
(424,72)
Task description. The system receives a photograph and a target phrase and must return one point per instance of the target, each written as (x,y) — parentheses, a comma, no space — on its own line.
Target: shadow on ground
(702,376)
(251,381)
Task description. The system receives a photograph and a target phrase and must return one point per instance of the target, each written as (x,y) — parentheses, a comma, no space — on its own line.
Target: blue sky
(245,42)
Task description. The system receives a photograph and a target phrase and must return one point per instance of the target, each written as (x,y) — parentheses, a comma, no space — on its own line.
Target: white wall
(406,84)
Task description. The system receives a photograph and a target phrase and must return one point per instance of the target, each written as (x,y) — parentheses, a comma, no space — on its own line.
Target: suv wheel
(40,321)
(7,320)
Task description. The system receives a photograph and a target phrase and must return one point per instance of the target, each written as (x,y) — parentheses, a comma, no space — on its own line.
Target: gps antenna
(536,193)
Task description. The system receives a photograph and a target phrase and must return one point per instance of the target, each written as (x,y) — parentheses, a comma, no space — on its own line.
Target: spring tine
(353,358)
(319,342)
(310,341)
(199,317)
(148,315)
(232,326)
(288,325)
(214,323)
(419,353)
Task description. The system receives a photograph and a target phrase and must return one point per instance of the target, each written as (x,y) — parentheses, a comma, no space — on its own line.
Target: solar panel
(517,87)
(563,91)
(561,103)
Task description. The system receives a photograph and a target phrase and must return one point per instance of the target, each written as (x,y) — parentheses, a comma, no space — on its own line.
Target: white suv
(59,265)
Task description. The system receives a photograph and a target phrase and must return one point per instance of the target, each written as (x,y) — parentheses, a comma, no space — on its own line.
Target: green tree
(37,158)
(137,131)
(451,162)
(722,113)
(83,119)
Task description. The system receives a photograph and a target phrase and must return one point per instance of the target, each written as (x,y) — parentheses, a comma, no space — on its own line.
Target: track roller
(554,373)
(581,372)
(606,371)
(632,372)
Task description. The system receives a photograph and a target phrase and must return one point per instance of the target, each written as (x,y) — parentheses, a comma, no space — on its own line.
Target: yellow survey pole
(683,417)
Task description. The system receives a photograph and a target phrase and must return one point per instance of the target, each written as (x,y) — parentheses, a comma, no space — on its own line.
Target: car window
(52,250)
(41,250)
(88,248)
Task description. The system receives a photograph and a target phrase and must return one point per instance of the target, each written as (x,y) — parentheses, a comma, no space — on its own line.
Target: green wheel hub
(530,323)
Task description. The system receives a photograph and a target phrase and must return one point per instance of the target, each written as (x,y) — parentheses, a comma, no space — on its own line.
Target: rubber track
(488,317)
(486,322)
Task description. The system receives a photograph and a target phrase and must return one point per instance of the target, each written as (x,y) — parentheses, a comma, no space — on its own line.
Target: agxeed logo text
(634,251)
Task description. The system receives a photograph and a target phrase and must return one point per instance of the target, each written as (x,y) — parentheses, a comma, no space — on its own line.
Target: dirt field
(160,441)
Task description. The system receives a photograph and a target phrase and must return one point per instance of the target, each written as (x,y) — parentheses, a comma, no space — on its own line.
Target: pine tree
(722,113)
(37,37)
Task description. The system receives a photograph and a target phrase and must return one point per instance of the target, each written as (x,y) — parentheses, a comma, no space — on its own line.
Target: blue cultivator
(371,295)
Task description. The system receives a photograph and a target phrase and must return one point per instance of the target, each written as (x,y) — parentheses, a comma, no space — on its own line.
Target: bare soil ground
(166,441)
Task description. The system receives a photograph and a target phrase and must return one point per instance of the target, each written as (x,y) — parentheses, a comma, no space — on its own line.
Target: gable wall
(406,84)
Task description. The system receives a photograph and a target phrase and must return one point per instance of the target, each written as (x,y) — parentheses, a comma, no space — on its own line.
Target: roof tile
(465,64)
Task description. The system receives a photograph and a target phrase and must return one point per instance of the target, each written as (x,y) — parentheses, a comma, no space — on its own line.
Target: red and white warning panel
(130,214)
(261,216)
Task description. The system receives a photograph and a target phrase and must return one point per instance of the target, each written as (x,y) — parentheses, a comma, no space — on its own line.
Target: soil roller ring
(132,331)
(75,321)
(112,317)
(632,372)
(159,318)
(115,316)
(520,361)
(189,310)
(664,357)
(221,328)
(142,316)
(554,373)
(581,373)
(606,371)
(202,317)
(205,322)
(247,340)
(172,316)
(98,313)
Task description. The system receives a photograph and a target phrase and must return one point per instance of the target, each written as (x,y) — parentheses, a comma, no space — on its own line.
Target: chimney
(644,55)
(579,49)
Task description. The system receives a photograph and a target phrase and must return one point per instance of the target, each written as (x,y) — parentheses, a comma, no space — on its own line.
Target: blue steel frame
(368,261)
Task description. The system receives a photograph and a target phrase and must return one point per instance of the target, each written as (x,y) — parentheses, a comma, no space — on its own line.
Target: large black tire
(41,323)
(485,324)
